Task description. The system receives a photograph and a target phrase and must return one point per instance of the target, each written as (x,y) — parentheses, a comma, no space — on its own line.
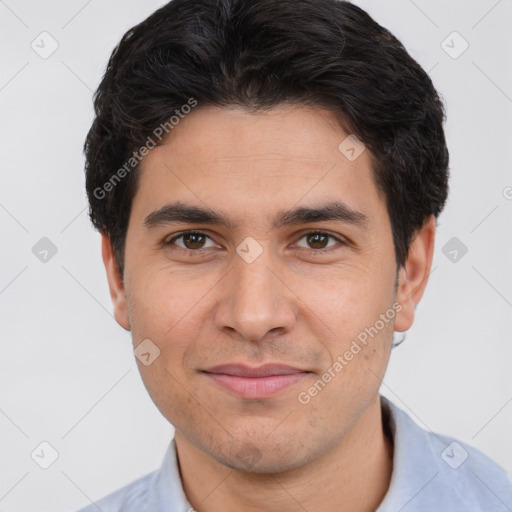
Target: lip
(256,383)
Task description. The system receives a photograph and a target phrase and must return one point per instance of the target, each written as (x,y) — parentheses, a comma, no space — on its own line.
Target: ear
(413,276)
(115,283)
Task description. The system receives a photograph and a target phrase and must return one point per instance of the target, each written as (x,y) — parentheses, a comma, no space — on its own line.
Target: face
(259,314)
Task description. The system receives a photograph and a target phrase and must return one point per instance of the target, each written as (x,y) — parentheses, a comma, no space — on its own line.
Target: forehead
(250,164)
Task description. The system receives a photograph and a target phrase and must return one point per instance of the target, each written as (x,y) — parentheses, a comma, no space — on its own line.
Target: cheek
(164,307)
(347,299)
(163,300)
(170,308)
(171,393)
(355,308)
(359,318)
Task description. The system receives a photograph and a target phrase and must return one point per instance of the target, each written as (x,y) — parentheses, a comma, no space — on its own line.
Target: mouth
(255,383)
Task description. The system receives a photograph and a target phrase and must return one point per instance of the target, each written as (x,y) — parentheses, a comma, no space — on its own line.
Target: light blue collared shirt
(431,473)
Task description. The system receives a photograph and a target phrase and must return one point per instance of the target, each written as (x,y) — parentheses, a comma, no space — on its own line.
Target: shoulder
(159,490)
(437,472)
(133,497)
(471,476)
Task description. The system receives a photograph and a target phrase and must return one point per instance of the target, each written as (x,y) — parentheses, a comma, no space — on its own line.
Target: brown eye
(319,240)
(191,240)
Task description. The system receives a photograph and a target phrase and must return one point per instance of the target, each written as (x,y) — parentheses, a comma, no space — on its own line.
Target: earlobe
(115,283)
(413,276)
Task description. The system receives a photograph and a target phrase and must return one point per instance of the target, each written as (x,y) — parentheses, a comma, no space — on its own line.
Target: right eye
(191,241)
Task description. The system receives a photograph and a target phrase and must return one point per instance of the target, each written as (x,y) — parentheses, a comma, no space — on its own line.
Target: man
(266,177)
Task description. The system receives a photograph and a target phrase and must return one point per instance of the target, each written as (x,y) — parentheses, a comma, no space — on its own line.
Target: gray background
(67,372)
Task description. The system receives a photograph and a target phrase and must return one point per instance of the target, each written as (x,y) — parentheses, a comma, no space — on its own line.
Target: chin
(262,457)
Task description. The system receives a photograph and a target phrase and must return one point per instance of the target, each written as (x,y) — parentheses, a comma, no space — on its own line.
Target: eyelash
(192,232)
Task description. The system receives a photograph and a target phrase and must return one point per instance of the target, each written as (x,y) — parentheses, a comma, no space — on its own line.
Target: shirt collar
(412,461)
(166,489)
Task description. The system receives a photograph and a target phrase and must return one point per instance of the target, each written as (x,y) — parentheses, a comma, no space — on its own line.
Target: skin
(301,302)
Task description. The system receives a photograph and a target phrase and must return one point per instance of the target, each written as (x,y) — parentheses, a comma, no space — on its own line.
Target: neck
(353,476)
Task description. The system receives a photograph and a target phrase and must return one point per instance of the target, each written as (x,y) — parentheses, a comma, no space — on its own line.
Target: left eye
(319,240)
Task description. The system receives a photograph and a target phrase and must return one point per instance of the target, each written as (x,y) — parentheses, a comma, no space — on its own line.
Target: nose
(255,302)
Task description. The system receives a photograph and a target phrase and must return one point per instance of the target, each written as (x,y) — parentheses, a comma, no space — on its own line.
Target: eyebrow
(180,212)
